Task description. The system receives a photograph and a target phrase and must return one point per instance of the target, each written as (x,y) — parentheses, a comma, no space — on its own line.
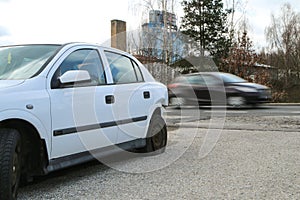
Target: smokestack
(118,34)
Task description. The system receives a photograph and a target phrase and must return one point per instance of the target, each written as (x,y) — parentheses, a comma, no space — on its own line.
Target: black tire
(156,140)
(10,163)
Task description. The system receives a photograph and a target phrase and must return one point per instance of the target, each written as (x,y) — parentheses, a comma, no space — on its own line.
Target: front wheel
(10,163)
(236,102)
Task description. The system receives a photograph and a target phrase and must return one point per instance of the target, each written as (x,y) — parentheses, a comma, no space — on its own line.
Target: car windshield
(24,62)
(230,78)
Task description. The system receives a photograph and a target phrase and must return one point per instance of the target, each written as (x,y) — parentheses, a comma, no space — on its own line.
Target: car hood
(247,84)
(10,83)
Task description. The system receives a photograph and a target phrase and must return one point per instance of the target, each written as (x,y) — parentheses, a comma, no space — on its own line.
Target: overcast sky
(259,16)
(46,21)
(59,21)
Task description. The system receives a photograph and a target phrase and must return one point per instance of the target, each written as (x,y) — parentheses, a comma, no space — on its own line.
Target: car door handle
(109,99)
(146,95)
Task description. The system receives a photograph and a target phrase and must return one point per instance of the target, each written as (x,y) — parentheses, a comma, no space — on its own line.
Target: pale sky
(60,21)
(259,16)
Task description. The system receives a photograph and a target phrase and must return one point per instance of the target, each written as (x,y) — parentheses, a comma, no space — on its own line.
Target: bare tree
(237,15)
(242,58)
(284,42)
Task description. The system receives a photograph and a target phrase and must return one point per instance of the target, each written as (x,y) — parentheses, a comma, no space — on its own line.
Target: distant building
(160,37)
(162,19)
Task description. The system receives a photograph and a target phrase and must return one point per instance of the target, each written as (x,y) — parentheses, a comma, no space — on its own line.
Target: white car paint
(49,110)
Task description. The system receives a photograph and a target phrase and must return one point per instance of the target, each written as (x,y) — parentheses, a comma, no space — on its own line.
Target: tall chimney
(118,34)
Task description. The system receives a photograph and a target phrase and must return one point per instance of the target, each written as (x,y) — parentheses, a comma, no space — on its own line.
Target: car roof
(70,44)
(203,73)
(195,73)
(74,44)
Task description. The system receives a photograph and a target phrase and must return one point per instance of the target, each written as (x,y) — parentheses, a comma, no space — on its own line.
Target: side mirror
(74,76)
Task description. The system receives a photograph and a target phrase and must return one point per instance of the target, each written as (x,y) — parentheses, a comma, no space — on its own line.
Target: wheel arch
(150,147)
(157,110)
(34,150)
(31,119)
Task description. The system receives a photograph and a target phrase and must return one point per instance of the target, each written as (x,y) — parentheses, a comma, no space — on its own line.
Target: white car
(63,105)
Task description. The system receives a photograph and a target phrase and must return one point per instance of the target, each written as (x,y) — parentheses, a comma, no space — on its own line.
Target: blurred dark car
(216,88)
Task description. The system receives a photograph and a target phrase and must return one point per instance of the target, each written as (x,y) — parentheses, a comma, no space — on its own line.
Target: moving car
(216,88)
(63,105)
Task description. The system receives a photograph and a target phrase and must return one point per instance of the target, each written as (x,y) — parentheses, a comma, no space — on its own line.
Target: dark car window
(180,79)
(84,59)
(123,69)
(211,80)
(195,80)
(230,78)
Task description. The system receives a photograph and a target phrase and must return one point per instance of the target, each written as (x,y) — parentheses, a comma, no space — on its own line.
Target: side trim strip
(97,126)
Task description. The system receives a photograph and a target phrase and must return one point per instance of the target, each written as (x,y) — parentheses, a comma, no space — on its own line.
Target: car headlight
(246,89)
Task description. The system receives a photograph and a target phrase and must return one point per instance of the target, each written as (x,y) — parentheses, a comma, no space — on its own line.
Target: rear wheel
(156,140)
(10,163)
(177,101)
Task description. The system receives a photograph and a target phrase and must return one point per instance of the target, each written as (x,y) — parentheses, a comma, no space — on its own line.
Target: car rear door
(214,92)
(133,96)
(199,87)
(82,117)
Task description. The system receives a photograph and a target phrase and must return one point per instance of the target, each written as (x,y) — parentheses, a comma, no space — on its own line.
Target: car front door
(81,111)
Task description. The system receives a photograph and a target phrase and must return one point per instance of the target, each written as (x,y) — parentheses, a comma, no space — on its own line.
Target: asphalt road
(212,153)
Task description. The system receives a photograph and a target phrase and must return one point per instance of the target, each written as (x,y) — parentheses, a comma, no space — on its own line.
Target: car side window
(211,80)
(84,59)
(195,80)
(123,69)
